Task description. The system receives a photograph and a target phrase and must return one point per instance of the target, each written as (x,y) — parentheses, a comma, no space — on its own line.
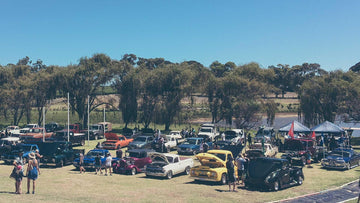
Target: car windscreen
(140,139)
(294,145)
(260,168)
(221,156)
(340,153)
(170,159)
(94,153)
(205,130)
(135,154)
(190,141)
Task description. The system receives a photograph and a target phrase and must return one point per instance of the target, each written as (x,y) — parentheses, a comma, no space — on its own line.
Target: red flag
(291,131)
(313,136)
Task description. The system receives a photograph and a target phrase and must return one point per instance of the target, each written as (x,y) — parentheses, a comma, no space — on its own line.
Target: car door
(285,174)
(177,166)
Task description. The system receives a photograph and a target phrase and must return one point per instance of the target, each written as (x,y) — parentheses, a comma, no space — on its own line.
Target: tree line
(151,90)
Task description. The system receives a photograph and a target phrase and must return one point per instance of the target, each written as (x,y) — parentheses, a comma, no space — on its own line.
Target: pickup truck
(36,134)
(297,148)
(168,165)
(258,150)
(208,133)
(97,131)
(191,146)
(115,141)
(57,153)
(8,158)
(10,130)
(170,142)
(213,166)
(74,138)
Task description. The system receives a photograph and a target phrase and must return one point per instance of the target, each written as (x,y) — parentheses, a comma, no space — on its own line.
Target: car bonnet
(158,157)
(210,159)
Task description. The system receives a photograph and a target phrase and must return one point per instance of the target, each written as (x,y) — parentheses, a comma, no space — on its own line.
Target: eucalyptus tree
(46,84)
(322,97)
(16,93)
(85,79)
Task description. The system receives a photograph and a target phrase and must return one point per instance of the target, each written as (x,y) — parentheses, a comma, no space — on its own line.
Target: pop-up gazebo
(328,127)
(298,128)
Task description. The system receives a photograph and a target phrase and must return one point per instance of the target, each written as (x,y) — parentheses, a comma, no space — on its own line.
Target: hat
(32,155)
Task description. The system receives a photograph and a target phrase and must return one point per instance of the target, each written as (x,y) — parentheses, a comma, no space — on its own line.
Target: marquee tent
(298,128)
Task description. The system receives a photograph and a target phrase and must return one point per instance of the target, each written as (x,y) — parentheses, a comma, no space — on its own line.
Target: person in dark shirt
(231,173)
(98,164)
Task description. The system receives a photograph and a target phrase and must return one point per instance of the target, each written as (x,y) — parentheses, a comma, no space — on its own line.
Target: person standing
(119,153)
(19,174)
(240,162)
(81,163)
(231,172)
(249,138)
(38,156)
(98,164)
(32,172)
(108,164)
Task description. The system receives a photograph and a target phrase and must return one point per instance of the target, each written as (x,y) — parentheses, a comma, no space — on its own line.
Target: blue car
(191,146)
(13,154)
(341,158)
(89,158)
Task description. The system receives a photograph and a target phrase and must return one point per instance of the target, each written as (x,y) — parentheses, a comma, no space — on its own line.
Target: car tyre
(61,163)
(276,186)
(133,171)
(82,143)
(300,180)
(168,149)
(348,166)
(223,179)
(96,137)
(169,175)
(187,170)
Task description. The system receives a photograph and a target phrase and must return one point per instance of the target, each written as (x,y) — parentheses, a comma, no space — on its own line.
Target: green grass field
(67,185)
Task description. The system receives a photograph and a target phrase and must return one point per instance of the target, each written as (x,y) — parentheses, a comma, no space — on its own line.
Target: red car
(134,163)
(115,141)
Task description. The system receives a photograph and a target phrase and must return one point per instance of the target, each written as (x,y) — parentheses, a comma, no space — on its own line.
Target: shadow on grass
(7,192)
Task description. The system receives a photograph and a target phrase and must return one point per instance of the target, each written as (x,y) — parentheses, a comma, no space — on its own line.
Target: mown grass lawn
(67,185)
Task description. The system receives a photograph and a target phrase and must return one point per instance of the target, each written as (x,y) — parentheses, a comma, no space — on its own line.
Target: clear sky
(268,32)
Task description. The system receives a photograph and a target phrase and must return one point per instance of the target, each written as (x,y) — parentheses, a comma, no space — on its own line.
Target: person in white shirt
(108,164)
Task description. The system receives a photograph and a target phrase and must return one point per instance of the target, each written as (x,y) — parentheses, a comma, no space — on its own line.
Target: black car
(273,173)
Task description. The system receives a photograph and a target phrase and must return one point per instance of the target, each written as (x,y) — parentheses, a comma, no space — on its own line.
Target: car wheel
(300,180)
(348,166)
(118,147)
(61,163)
(133,171)
(169,175)
(303,159)
(96,137)
(276,186)
(168,149)
(82,143)
(187,170)
(223,179)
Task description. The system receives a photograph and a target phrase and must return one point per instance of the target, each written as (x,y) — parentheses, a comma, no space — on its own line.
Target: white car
(168,165)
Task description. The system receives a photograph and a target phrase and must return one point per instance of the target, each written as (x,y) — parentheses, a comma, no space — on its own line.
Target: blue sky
(268,32)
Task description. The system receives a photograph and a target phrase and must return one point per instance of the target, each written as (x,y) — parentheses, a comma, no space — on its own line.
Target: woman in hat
(32,171)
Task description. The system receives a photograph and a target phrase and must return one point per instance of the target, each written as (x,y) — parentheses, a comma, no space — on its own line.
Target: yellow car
(213,166)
